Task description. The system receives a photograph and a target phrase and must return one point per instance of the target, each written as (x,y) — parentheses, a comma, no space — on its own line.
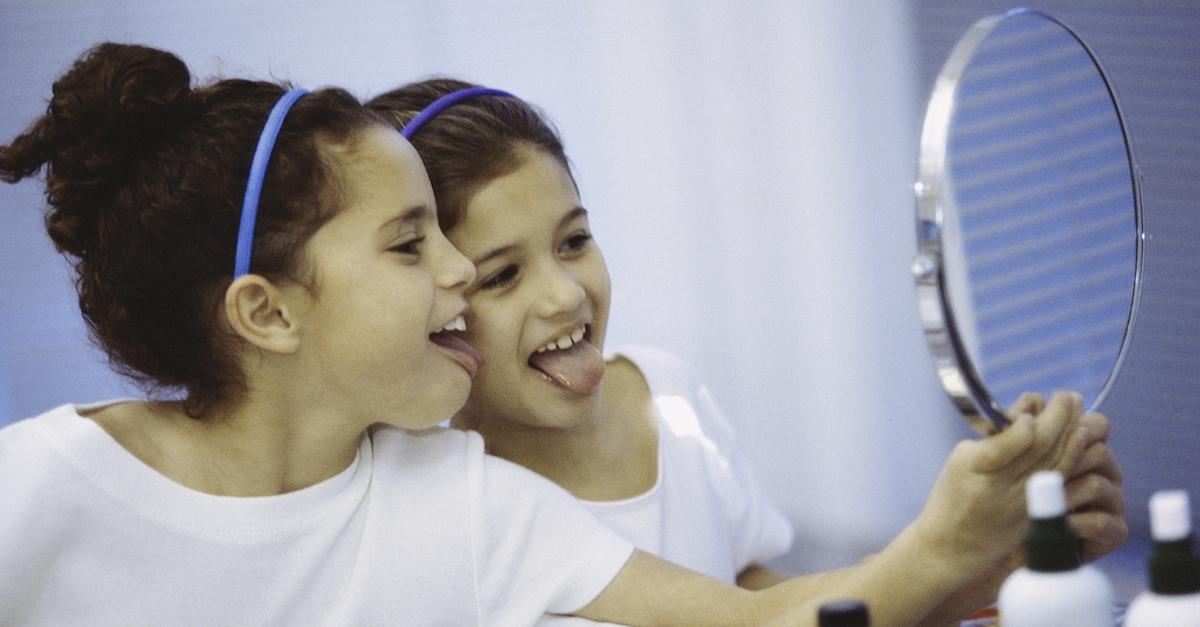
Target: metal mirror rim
(955,370)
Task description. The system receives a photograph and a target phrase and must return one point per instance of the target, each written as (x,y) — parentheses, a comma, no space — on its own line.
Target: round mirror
(1028,219)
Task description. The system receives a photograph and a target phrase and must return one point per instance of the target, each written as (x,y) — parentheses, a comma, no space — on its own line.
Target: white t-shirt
(706,512)
(421,529)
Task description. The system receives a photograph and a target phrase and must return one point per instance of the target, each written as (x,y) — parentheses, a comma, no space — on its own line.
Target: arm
(974,517)
(971,524)
(1096,505)
(651,591)
(758,577)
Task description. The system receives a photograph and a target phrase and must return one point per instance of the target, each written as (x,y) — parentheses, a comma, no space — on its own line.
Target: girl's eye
(577,241)
(505,276)
(409,247)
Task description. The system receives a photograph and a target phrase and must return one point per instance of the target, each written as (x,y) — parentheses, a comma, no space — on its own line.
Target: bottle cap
(1174,568)
(1044,495)
(1170,515)
(1050,544)
(843,614)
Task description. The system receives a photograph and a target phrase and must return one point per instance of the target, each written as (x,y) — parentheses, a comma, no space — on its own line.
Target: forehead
(532,199)
(381,166)
(379,152)
(380,181)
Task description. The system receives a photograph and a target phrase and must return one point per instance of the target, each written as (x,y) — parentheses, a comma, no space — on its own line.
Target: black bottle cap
(1174,569)
(843,614)
(1051,546)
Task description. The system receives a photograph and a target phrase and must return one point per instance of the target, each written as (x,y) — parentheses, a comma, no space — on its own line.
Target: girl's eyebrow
(577,212)
(412,215)
(571,215)
(499,252)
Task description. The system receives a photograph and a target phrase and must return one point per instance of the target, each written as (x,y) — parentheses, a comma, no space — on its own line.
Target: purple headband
(441,104)
(258,171)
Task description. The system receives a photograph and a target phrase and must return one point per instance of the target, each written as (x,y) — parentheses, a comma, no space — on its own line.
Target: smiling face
(539,304)
(386,283)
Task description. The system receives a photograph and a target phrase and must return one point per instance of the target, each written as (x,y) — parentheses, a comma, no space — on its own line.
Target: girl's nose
(457,272)
(560,293)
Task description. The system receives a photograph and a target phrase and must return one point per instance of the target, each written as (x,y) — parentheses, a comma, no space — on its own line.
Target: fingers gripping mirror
(1029,240)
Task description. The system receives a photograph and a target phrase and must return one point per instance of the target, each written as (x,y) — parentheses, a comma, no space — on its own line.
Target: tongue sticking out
(578,368)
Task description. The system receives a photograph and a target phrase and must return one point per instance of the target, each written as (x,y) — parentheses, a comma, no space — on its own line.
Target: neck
(565,455)
(608,452)
(257,447)
(272,446)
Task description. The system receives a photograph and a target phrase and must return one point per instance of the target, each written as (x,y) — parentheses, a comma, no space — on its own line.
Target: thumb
(1001,449)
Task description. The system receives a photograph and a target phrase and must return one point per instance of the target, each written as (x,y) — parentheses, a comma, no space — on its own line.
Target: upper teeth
(457,324)
(566,341)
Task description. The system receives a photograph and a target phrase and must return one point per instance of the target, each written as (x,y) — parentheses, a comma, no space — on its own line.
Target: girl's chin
(437,414)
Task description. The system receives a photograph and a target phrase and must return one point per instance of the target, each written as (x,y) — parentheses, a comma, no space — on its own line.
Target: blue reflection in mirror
(1046,217)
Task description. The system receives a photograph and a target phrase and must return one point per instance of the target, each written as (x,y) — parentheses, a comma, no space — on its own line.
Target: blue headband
(258,171)
(441,104)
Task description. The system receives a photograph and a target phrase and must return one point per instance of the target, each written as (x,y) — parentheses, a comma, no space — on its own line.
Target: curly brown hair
(145,176)
(472,142)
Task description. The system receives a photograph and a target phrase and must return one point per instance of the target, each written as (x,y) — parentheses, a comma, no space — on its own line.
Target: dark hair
(145,177)
(470,143)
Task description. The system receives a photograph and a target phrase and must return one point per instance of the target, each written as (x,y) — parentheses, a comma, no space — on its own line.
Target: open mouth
(458,348)
(571,361)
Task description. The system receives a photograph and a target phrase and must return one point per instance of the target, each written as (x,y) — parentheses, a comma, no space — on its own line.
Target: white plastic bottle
(1054,589)
(1173,599)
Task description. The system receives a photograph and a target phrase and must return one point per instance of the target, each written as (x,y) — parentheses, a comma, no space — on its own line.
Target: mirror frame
(958,375)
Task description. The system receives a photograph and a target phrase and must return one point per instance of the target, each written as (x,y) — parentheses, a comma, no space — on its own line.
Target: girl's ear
(260,313)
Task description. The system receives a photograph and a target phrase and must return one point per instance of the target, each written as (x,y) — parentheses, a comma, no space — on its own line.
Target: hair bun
(110,113)
(123,96)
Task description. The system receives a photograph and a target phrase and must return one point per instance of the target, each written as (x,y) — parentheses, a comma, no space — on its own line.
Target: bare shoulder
(628,395)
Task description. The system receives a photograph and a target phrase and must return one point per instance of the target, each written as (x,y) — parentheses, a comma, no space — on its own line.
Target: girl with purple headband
(638,439)
(268,264)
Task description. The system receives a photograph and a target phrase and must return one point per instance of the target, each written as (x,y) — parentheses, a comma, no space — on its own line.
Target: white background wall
(748,167)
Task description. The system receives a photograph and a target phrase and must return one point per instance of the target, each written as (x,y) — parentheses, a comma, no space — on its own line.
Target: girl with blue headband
(268,264)
(638,439)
